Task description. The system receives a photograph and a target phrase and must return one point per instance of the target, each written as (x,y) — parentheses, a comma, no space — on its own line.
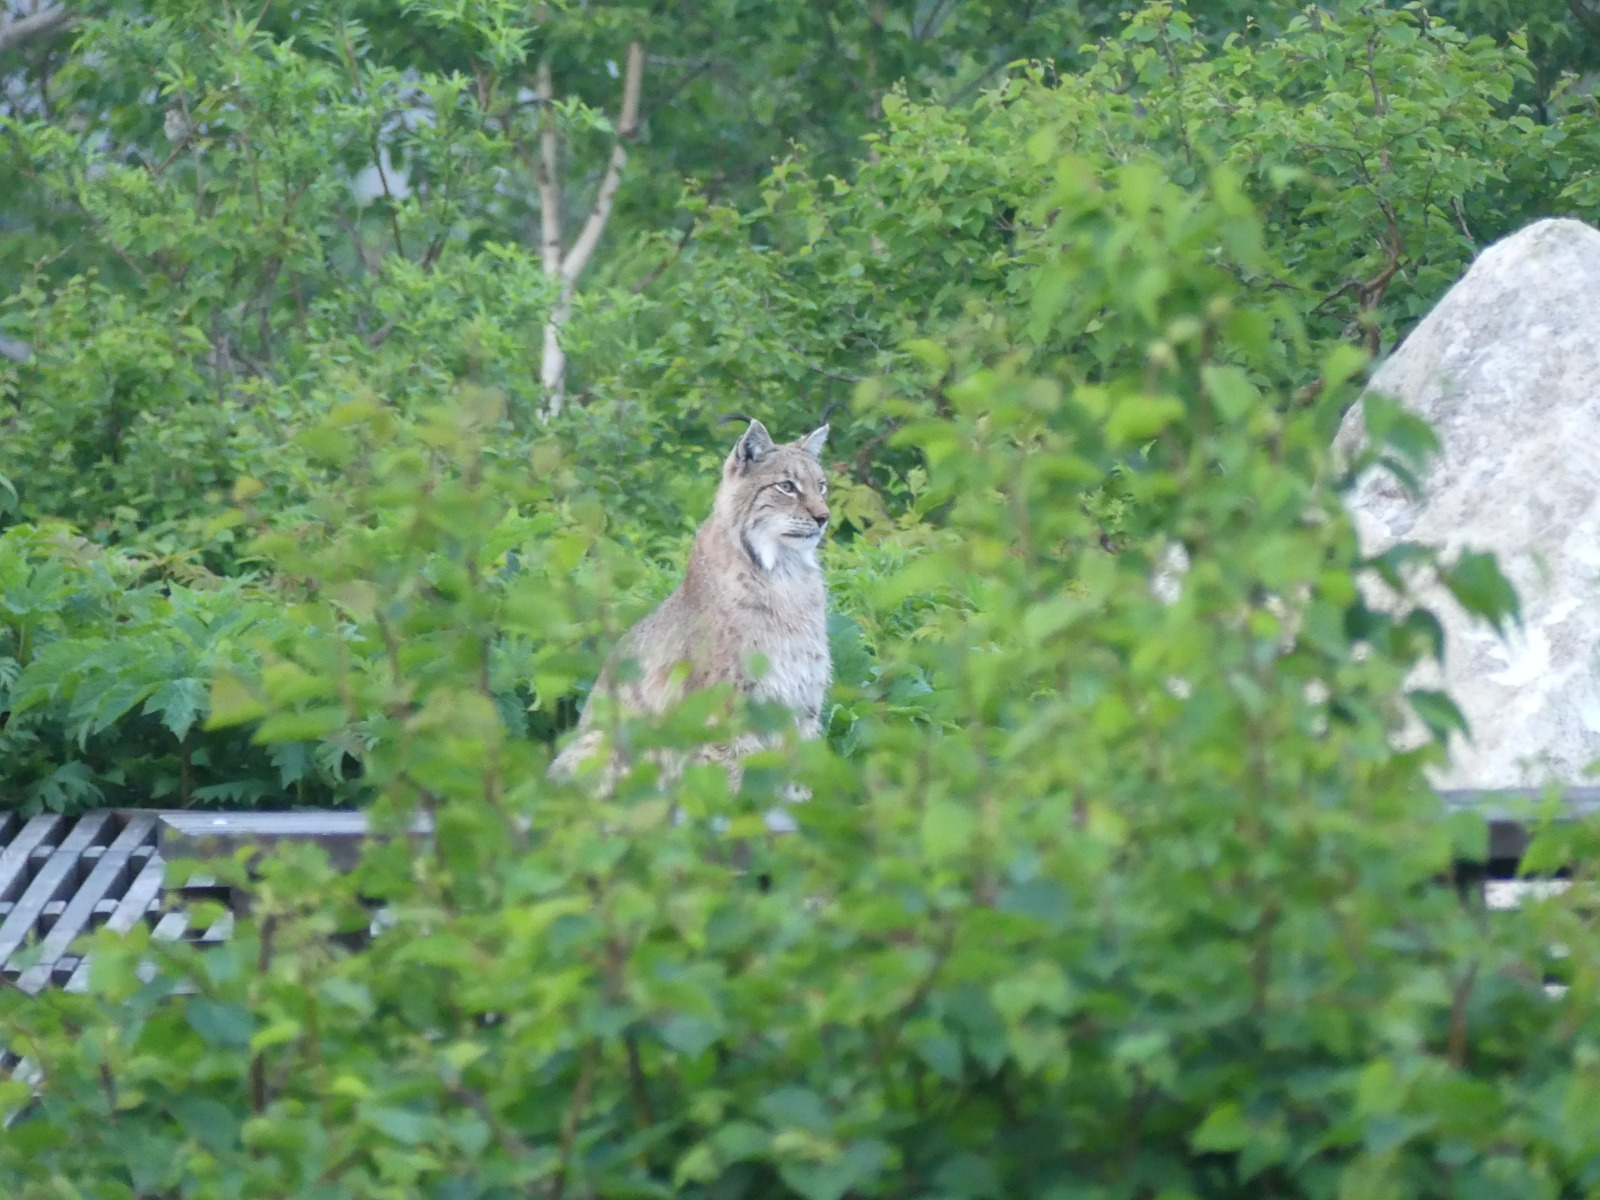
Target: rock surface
(1507,371)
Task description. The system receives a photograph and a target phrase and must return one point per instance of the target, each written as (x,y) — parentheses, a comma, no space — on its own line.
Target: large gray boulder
(1507,371)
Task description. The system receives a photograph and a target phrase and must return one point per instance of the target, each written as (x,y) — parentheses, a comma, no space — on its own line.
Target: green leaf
(178,704)
(1224,1129)
(222,1025)
(795,1107)
(1230,390)
(1134,419)
(947,830)
(233,703)
(856,1169)
(1437,711)
(688,1035)
(398,1124)
(213,1124)
(1476,582)
(304,726)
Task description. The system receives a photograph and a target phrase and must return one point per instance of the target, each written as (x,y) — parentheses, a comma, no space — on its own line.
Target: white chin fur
(773,551)
(767,547)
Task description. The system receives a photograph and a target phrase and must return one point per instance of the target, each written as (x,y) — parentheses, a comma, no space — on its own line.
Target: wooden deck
(61,878)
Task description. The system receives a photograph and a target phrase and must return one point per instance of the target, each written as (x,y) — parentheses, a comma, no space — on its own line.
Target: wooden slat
(212,835)
(130,910)
(53,882)
(172,927)
(218,931)
(15,854)
(114,867)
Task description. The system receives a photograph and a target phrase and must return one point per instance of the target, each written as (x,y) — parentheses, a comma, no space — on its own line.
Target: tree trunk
(561,268)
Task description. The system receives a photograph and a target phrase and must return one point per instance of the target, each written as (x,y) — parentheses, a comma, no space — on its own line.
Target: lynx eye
(787,488)
(823,488)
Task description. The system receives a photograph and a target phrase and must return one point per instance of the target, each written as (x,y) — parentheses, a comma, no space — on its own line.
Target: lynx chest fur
(751,609)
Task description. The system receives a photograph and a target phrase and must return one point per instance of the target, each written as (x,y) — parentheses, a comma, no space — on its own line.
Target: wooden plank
(23,1070)
(18,850)
(53,882)
(212,835)
(114,867)
(1513,803)
(172,927)
(130,910)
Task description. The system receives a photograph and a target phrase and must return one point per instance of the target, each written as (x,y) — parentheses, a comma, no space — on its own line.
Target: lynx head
(774,498)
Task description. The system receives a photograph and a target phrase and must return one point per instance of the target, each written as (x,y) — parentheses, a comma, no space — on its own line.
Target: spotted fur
(752,593)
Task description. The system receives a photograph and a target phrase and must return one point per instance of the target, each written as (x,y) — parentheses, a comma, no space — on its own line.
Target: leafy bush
(105,680)
(1113,883)
(1142,902)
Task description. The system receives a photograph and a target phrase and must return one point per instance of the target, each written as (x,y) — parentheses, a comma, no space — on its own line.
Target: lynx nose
(821,518)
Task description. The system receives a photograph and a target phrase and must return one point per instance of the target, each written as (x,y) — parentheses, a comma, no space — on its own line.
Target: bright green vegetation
(1102,894)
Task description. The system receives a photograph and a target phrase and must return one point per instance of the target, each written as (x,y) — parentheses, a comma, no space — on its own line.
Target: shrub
(106,662)
(1140,902)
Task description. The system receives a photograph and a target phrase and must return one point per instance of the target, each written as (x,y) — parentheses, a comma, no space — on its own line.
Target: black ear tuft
(755,445)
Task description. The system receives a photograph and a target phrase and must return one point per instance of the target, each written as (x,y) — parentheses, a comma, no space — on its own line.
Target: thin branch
(46,20)
(381,334)
(1177,93)
(1585,18)
(660,268)
(935,15)
(574,1117)
(841,376)
(1460,995)
(508,1139)
(1338,293)
(589,237)
(394,211)
(643,1112)
(693,71)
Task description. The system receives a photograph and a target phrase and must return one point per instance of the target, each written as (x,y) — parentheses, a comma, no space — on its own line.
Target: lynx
(753,590)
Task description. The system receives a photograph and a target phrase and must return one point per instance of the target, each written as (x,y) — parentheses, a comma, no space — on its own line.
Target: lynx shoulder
(752,593)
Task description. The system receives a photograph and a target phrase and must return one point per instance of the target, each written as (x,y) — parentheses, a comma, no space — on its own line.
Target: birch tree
(564,264)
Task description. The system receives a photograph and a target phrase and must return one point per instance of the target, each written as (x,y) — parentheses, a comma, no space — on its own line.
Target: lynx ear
(814,441)
(755,445)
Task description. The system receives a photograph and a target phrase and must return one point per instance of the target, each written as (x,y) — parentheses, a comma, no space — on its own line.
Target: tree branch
(589,237)
(549,177)
(1585,18)
(46,20)
(660,268)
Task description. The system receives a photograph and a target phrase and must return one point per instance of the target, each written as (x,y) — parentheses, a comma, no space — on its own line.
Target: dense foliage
(1113,883)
